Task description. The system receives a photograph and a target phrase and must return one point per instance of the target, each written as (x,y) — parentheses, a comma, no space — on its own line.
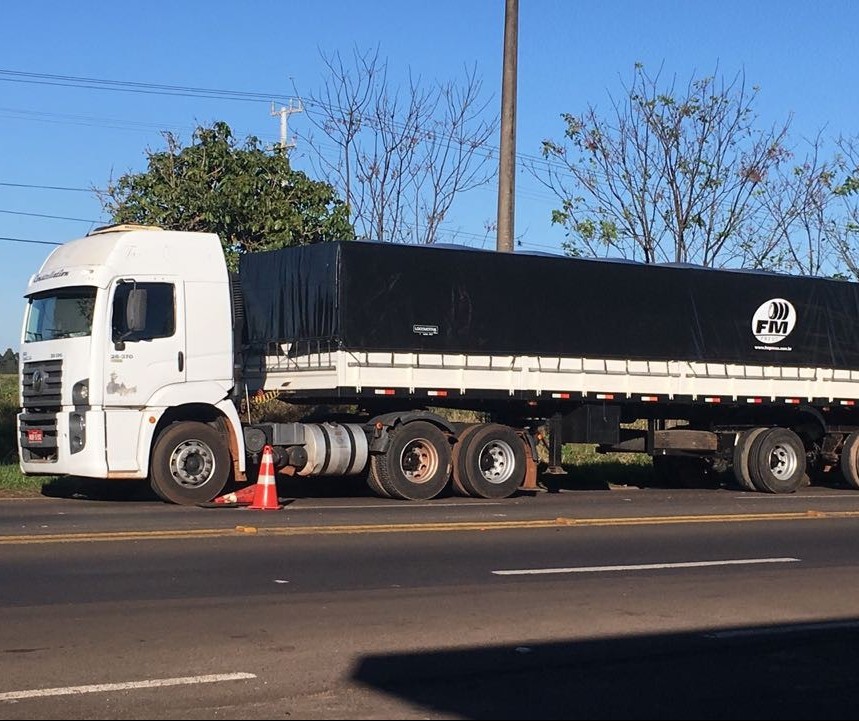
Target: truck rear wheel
(777,461)
(375,486)
(742,448)
(190,464)
(416,464)
(458,460)
(850,460)
(493,462)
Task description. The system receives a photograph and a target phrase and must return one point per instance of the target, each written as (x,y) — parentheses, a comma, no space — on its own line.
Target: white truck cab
(128,331)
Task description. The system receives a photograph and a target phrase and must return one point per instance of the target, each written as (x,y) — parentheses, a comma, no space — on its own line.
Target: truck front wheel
(190,464)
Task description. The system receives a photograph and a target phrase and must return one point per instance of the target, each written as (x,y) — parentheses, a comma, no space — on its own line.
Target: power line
(16,76)
(88,121)
(73,81)
(88,83)
(157,88)
(49,187)
(52,217)
(29,240)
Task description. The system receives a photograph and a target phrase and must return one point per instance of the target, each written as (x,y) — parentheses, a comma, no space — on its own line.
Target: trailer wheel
(777,461)
(416,465)
(850,460)
(742,448)
(493,462)
(190,464)
(458,460)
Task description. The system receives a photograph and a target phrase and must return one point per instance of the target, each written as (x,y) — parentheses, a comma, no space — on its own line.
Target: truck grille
(41,393)
(41,385)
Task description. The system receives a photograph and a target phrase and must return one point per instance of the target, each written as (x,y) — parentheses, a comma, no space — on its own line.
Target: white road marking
(641,566)
(792,496)
(103,687)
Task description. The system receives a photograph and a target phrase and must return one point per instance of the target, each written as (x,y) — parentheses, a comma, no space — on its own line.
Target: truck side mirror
(135,310)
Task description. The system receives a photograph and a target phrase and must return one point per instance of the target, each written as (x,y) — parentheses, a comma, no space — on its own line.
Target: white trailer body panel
(537,377)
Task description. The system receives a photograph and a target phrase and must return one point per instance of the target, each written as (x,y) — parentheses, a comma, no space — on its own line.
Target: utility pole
(284,113)
(507,152)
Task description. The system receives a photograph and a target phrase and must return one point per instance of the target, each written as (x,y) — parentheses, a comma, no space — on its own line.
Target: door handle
(181,360)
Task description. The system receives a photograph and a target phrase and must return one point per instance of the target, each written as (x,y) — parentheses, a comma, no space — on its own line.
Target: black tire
(742,448)
(375,486)
(777,461)
(190,464)
(493,462)
(850,460)
(458,460)
(416,465)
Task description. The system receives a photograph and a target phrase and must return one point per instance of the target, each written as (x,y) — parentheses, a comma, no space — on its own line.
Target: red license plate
(35,435)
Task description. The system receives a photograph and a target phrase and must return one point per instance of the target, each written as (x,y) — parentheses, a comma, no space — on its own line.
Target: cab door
(146,354)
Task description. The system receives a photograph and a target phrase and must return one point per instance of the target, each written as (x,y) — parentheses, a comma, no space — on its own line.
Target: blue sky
(571,54)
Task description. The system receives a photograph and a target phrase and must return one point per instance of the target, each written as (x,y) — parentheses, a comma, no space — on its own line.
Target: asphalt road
(620,603)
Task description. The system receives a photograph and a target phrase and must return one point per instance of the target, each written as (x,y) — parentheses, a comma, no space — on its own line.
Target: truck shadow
(98,489)
(288,487)
(804,671)
(614,474)
(581,477)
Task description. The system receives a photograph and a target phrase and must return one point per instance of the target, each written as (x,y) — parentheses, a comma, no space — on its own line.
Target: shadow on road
(98,489)
(785,672)
(584,477)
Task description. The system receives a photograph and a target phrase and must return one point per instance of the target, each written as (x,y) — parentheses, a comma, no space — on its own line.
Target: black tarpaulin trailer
(755,370)
(363,296)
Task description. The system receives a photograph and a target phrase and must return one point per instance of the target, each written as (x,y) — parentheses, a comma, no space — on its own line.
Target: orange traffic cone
(265,496)
(242,497)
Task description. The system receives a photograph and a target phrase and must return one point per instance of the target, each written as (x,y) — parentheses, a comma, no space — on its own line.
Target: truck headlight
(80,393)
(77,424)
(77,432)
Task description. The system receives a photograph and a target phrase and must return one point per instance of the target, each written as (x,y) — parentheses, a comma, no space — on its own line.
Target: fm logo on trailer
(774,320)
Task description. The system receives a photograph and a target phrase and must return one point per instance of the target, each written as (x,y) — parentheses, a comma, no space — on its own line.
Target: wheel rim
(783,461)
(497,462)
(419,460)
(192,463)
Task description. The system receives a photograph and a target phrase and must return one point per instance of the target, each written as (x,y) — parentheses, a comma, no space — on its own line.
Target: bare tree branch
(667,174)
(400,157)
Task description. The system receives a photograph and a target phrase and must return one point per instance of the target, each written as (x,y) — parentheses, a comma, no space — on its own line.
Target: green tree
(9,362)
(249,196)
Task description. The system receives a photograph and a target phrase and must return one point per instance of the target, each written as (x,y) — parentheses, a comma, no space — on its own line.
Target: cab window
(61,313)
(160,318)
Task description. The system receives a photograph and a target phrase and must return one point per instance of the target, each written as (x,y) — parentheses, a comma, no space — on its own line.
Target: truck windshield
(61,313)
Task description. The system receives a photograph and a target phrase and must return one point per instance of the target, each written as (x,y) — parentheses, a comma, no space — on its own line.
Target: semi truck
(141,354)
